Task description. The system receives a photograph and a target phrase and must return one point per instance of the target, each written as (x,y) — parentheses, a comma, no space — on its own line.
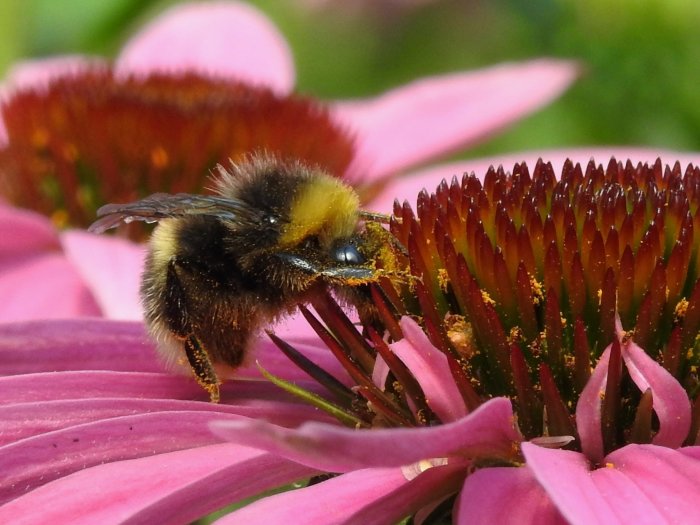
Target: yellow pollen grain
(626,336)
(609,465)
(443,279)
(537,291)
(459,332)
(487,298)
(159,157)
(599,294)
(680,310)
(515,334)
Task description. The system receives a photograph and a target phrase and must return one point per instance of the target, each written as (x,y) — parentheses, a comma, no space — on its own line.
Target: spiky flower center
(95,137)
(519,279)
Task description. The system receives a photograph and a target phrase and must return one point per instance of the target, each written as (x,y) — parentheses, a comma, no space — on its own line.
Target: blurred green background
(641,57)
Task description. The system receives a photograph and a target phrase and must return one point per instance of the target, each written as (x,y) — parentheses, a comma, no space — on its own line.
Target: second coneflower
(95,136)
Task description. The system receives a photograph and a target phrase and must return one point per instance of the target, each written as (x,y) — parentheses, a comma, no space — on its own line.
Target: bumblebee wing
(166,206)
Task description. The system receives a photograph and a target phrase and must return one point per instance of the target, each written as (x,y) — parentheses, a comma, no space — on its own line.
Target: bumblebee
(220,267)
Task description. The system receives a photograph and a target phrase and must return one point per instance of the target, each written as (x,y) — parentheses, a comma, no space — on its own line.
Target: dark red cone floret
(92,138)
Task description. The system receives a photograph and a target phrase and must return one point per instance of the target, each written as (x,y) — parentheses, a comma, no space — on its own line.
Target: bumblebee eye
(348,254)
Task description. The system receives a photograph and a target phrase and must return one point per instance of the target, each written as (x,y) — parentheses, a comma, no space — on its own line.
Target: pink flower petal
(691,452)
(368,496)
(650,484)
(43,286)
(111,268)
(223,39)
(639,484)
(430,368)
(332,501)
(24,233)
(35,461)
(47,386)
(588,410)
(179,488)
(380,372)
(433,116)
(670,400)
(566,477)
(487,431)
(432,486)
(106,384)
(504,495)
(24,420)
(76,344)
(100,344)
(36,74)
(407,187)
(35,279)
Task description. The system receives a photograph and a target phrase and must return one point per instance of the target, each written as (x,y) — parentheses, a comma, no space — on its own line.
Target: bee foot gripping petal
(202,368)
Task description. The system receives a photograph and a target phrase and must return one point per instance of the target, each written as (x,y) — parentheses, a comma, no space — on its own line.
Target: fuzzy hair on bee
(222,267)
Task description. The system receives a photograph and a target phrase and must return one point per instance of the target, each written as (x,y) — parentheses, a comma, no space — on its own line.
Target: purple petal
(588,410)
(488,431)
(36,281)
(23,420)
(35,461)
(223,39)
(639,484)
(368,496)
(430,368)
(433,116)
(99,344)
(691,452)
(29,388)
(23,233)
(667,479)
(175,487)
(332,501)
(670,400)
(566,477)
(36,74)
(504,495)
(76,344)
(431,487)
(43,286)
(406,188)
(111,268)
(380,372)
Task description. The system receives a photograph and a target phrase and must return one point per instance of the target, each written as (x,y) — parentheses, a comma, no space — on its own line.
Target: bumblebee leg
(201,366)
(180,323)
